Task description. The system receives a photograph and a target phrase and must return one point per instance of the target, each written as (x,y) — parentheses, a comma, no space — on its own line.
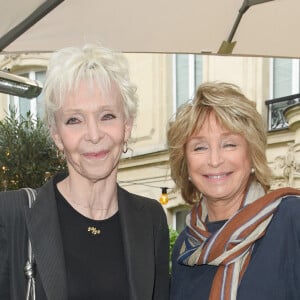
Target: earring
(190,178)
(252,171)
(60,154)
(125,147)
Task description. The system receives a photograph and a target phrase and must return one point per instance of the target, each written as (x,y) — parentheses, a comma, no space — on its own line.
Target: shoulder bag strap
(29,269)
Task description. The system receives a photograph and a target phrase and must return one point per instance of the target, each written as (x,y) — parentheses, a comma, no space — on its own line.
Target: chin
(96,177)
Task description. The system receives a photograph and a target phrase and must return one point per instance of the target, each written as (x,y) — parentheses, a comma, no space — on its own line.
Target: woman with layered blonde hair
(236,237)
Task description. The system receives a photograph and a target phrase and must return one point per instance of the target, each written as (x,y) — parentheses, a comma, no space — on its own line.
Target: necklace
(89,206)
(93,230)
(63,190)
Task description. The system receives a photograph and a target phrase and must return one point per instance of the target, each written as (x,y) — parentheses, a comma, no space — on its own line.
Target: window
(285,79)
(284,82)
(179,217)
(35,105)
(187,76)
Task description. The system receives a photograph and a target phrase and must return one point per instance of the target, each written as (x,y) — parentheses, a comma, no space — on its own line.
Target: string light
(164,198)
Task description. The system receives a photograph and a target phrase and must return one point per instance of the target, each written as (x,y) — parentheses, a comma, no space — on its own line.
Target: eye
(108,117)
(229,145)
(200,148)
(72,120)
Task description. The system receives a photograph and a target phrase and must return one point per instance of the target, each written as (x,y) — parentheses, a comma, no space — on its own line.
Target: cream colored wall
(144,169)
(150,72)
(21,63)
(249,73)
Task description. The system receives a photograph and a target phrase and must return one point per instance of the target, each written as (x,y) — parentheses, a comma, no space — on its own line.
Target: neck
(218,210)
(94,200)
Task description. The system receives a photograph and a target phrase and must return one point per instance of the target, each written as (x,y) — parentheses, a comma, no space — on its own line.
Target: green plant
(173,234)
(27,154)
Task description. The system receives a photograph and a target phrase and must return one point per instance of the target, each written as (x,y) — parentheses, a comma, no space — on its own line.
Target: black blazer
(144,230)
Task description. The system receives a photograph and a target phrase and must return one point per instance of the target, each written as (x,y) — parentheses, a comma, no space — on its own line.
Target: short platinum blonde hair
(232,110)
(93,63)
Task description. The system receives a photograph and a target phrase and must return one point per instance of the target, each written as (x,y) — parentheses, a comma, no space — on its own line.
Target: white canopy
(189,26)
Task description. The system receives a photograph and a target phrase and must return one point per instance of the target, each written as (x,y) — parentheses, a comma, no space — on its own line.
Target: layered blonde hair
(232,110)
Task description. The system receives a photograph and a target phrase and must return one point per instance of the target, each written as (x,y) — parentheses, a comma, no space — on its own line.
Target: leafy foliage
(27,154)
(173,234)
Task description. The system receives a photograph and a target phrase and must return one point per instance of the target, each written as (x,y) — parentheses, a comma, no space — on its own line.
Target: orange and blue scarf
(231,246)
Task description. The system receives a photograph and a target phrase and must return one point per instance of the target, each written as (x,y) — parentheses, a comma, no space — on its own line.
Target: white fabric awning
(160,26)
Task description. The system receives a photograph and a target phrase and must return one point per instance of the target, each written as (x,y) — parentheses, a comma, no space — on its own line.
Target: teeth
(216,176)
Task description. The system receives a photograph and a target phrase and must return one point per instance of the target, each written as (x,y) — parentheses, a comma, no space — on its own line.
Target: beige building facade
(166,80)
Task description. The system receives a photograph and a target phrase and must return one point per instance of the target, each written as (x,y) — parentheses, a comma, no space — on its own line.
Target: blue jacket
(272,274)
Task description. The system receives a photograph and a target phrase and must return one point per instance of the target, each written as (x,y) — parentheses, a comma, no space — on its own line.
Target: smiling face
(91,129)
(219,163)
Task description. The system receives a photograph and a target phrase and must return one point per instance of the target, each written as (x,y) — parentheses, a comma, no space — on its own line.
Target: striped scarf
(231,246)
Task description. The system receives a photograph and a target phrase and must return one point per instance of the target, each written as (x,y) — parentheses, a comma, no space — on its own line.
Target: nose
(215,158)
(94,132)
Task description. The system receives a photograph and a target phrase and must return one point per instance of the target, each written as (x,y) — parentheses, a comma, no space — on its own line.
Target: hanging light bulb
(164,198)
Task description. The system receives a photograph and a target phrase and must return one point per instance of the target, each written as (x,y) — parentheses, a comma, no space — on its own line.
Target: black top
(94,255)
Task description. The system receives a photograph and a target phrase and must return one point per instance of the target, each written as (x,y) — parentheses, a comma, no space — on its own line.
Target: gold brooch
(93,230)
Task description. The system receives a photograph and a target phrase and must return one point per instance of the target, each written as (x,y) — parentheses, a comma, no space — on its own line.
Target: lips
(96,155)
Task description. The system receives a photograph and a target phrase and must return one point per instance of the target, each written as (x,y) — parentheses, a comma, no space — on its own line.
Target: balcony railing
(276,120)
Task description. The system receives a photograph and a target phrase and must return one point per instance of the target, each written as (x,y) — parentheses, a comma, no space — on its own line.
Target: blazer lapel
(138,242)
(44,233)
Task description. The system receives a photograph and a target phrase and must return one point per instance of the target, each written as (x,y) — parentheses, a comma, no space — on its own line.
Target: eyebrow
(79,110)
(225,134)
